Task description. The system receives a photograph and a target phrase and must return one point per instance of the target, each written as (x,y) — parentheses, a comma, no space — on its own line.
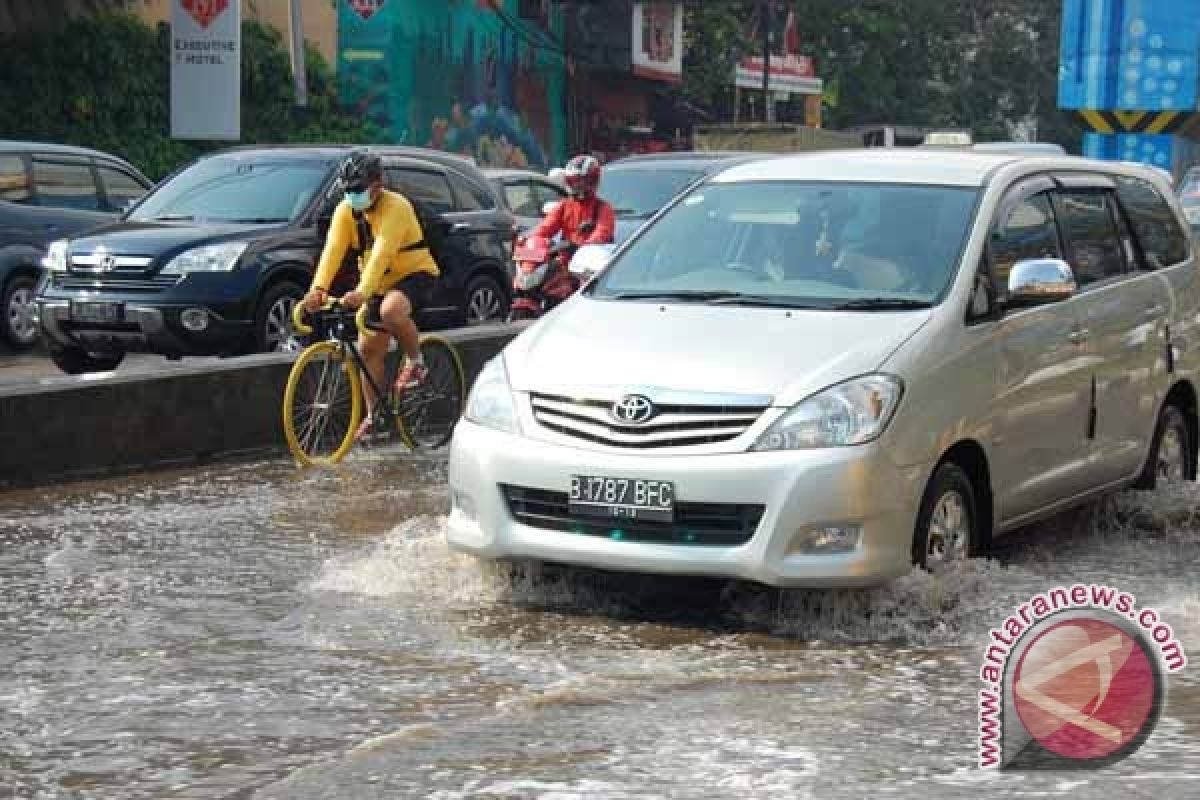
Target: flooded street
(254,631)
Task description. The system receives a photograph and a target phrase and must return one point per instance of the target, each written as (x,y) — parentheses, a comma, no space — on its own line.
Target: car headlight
(210,258)
(850,413)
(55,259)
(490,402)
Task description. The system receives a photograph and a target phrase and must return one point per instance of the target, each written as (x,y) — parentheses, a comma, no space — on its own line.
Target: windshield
(642,192)
(235,190)
(796,244)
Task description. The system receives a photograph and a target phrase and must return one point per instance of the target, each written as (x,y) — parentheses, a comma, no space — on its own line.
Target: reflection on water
(257,631)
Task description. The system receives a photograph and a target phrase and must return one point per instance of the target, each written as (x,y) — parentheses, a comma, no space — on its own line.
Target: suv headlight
(490,402)
(55,259)
(210,258)
(853,412)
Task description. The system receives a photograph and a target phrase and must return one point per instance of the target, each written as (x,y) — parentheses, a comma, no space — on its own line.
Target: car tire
(17,307)
(273,319)
(484,301)
(74,361)
(1172,455)
(948,522)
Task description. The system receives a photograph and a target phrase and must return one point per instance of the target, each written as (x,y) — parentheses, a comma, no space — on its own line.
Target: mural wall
(466,76)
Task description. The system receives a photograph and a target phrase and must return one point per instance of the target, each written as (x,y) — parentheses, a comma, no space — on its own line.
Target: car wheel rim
(1171,466)
(484,304)
(20,316)
(279,326)
(949,531)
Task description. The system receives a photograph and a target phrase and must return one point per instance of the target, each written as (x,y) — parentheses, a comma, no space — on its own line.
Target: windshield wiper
(881,303)
(173,218)
(765,301)
(696,295)
(256,220)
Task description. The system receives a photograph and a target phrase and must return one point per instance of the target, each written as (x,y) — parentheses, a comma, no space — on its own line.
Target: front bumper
(145,328)
(798,491)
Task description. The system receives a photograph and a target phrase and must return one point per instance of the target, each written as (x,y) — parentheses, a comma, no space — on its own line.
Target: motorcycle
(541,280)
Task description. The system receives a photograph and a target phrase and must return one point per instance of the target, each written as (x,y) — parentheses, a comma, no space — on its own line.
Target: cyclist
(397,270)
(583,218)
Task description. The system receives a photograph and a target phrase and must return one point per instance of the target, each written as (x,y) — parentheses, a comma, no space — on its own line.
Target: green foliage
(104,82)
(990,66)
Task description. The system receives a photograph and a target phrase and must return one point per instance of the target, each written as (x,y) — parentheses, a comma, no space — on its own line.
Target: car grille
(114,282)
(672,425)
(712,524)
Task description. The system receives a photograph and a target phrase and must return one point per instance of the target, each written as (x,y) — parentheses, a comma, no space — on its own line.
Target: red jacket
(570,213)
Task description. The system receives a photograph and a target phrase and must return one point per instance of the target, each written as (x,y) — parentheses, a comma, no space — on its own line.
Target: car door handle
(460,227)
(1153,311)
(1078,336)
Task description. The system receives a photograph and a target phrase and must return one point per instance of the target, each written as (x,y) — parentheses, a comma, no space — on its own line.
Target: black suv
(213,260)
(48,191)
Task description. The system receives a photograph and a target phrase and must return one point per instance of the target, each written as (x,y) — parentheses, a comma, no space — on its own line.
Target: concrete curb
(72,428)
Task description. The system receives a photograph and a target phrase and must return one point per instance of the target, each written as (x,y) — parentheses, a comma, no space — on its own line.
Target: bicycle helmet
(359,170)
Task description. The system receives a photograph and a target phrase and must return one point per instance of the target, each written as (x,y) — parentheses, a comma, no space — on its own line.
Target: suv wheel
(20,328)
(948,523)
(273,322)
(74,361)
(485,300)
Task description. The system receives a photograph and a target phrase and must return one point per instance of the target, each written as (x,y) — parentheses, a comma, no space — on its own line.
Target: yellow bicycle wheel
(322,404)
(428,413)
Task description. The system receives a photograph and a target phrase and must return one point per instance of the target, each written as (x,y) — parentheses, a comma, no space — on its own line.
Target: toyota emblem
(633,409)
(107,263)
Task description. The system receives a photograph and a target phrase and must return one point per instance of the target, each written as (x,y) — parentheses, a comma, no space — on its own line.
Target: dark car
(638,186)
(213,260)
(525,193)
(48,191)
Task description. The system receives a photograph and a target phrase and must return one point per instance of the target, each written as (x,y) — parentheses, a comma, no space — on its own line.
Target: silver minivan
(821,369)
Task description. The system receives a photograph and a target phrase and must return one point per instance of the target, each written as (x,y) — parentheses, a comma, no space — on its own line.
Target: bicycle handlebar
(333,304)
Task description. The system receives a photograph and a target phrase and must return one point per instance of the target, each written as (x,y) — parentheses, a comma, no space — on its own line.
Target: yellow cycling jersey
(394,225)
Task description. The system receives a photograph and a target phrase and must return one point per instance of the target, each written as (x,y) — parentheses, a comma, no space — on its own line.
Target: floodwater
(256,631)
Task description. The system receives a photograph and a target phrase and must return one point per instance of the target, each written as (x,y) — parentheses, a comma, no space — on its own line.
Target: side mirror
(548,206)
(590,260)
(1038,281)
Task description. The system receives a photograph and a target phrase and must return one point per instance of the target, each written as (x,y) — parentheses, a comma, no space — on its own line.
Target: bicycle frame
(333,323)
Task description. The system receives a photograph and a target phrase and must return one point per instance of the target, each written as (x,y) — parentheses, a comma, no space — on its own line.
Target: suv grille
(672,426)
(105,271)
(720,524)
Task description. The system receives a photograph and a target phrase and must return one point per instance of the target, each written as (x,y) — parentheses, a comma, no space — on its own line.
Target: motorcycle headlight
(55,259)
(490,402)
(850,413)
(210,258)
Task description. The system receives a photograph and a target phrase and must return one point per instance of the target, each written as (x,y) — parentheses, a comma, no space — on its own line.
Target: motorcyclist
(582,218)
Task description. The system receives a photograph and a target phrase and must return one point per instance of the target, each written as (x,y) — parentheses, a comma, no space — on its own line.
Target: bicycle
(323,401)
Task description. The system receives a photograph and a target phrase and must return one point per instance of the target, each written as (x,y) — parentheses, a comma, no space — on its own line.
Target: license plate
(622,498)
(88,311)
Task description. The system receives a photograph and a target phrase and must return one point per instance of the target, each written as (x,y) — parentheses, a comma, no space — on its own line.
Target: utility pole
(296,29)
(766,7)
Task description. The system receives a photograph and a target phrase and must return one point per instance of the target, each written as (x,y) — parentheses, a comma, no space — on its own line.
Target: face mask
(359,201)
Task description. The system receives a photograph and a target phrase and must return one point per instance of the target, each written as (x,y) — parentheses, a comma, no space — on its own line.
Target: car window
(785,242)
(236,188)
(1091,236)
(1027,232)
(119,186)
(1154,223)
(431,188)
(470,197)
(63,184)
(547,193)
(521,200)
(640,193)
(14,180)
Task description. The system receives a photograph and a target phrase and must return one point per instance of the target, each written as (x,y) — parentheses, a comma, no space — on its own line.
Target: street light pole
(296,31)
